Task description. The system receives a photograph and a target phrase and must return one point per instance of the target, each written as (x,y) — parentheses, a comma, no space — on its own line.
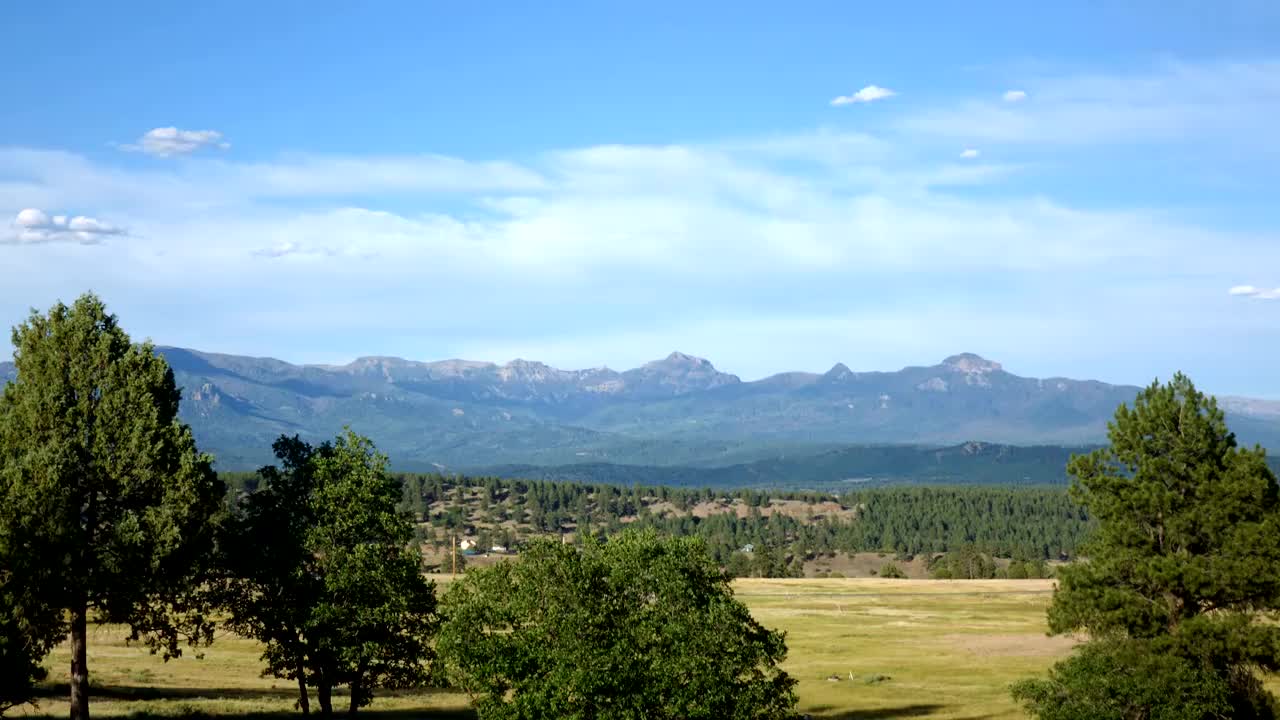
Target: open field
(900,648)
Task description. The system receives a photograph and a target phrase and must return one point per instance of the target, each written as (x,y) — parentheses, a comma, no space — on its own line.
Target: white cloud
(727,210)
(969,154)
(54,178)
(169,141)
(870,93)
(323,253)
(1013,96)
(33,226)
(1255,292)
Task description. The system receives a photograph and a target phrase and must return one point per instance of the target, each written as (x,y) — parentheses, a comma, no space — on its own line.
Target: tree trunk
(355,698)
(324,691)
(304,702)
(79,661)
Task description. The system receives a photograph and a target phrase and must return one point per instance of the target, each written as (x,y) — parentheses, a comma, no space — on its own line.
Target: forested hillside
(838,469)
(783,527)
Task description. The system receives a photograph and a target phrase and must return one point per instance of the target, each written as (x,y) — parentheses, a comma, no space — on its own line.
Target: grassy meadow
(860,648)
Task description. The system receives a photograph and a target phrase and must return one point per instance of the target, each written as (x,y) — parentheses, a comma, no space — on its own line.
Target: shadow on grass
(188,711)
(902,711)
(130,693)
(338,714)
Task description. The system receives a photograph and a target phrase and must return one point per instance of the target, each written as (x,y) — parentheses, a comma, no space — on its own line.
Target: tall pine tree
(1185,561)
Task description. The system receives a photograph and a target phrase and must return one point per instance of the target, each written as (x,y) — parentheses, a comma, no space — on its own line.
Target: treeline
(790,527)
(971,463)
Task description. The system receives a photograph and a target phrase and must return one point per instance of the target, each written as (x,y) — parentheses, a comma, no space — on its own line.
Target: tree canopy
(1186,555)
(107,509)
(322,570)
(637,627)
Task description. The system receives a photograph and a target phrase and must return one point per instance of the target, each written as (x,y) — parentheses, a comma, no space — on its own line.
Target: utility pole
(453,548)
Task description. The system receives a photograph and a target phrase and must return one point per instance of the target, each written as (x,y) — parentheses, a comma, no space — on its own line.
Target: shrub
(891,570)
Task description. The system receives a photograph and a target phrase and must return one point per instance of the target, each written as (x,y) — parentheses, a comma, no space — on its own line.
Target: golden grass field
(900,648)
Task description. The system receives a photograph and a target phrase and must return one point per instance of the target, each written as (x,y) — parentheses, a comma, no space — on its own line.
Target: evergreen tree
(106,506)
(1186,557)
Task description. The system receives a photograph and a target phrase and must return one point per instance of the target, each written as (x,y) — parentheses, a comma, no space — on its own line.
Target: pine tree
(1186,557)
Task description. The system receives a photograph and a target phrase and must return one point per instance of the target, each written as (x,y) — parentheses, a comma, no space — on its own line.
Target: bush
(891,570)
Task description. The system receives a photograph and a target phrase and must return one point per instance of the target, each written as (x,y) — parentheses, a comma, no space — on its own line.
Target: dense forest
(780,528)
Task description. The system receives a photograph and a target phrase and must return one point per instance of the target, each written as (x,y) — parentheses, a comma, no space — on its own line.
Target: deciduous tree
(638,627)
(323,570)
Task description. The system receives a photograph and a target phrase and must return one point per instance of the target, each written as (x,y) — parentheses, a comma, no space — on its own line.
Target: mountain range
(677,412)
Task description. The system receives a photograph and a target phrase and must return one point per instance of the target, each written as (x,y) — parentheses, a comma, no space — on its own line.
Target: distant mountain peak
(839,371)
(677,374)
(971,363)
(679,359)
(378,361)
(527,364)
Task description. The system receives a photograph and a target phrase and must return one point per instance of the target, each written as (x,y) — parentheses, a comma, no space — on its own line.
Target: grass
(869,648)
(899,648)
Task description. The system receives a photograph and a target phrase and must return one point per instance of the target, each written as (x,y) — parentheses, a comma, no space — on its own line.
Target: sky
(1087,190)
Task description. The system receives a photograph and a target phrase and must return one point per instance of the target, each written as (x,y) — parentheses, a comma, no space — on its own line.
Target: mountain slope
(677,411)
(838,469)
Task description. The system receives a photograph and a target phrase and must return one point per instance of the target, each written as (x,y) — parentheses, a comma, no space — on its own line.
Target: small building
(498,549)
(466,544)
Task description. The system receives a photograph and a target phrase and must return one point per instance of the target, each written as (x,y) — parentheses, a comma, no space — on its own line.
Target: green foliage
(272,581)
(1187,550)
(26,636)
(1028,569)
(106,507)
(323,570)
(1041,523)
(1126,679)
(638,627)
(377,613)
(964,563)
(891,571)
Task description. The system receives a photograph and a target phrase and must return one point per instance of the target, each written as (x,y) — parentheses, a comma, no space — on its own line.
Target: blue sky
(1071,191)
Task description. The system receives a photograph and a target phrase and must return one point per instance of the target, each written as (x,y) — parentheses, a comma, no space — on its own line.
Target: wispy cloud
(969,154)
(870,93)
(170,141)
(1255,292)
(33,226)
(323,252)
(1013,96)
(1221,102)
